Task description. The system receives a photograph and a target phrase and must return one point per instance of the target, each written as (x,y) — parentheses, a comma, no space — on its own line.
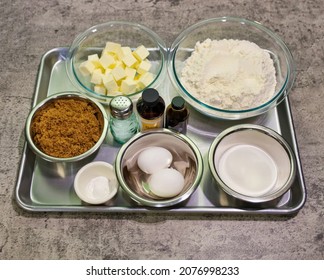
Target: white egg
(166,182)
(153,159)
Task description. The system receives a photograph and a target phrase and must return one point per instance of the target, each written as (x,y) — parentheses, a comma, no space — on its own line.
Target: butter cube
(141,53)
(130,73)
(124,51)
(96,77)
(106,60)
(109,83)
(94,58)
(145,80)
(86,68)
(144,67)
(99,89)
(118,73)
(128,86)
(112,47)
(129,60)
(107,71)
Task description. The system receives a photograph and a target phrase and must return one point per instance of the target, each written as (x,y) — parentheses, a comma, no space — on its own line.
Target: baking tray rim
(142,209)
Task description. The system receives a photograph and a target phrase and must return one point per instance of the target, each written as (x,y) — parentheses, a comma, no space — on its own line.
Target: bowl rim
(167,202)
(73,77)
(56,96)
(237,114)
(268,132)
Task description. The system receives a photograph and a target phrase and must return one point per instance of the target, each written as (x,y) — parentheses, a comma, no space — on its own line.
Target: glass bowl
(237,29)
(127,34)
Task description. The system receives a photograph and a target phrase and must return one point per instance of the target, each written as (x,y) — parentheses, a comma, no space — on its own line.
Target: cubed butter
(99,89)
(144,67)
(96,77)
(118,73)
(124,51)
(107,60)
(129,60)
(128,86)
(108,71)
(94,58)
(113,47)
(86,68)
(141,53)
(145,80)
(130,73)
(109,83)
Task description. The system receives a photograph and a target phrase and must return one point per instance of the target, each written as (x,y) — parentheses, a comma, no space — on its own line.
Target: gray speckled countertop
(30,28)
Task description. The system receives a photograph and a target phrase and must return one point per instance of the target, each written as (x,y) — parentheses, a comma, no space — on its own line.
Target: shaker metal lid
(121,107)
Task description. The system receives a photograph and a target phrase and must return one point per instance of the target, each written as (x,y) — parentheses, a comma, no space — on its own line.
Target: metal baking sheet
(38,190)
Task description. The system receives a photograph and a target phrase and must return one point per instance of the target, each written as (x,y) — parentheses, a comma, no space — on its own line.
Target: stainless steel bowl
(102,116)
(182,149)
(277,157)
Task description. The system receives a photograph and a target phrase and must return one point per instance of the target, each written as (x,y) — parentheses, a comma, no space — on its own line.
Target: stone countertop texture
(30,28)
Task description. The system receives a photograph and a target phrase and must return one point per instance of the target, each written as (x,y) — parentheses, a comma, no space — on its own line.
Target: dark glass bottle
(177,115)
(150,108)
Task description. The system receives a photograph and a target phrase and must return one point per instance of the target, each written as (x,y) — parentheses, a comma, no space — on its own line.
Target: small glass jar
(150,107)
(123,122)
(176,116)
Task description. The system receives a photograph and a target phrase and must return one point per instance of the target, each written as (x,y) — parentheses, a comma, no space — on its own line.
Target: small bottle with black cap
(150,108)
(123,121)
(177,115)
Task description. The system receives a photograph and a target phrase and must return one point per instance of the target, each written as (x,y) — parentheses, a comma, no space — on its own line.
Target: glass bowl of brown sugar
(66,127)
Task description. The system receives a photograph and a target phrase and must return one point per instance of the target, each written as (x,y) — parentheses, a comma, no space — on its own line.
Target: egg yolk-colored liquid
(248,170)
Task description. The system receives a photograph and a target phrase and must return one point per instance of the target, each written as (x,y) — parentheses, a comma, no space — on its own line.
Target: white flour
(229,74)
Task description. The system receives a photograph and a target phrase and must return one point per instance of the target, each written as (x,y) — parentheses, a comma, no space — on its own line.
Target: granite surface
(30,28)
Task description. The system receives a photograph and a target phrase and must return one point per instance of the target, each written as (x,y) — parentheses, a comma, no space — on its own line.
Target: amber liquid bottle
(177,115)
(150,108)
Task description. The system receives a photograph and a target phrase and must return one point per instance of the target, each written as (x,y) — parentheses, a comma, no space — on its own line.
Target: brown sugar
(67,127)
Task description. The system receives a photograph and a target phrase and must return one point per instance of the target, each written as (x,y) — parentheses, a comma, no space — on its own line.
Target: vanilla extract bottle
(150,108)
(177,115)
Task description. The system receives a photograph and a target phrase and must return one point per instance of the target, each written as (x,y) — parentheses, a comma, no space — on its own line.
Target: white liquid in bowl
(248,170)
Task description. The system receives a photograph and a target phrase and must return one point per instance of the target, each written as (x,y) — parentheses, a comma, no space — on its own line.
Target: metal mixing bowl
(182,149)
(102,117)
(271,144)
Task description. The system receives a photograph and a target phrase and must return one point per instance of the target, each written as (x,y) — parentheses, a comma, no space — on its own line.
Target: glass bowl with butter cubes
(116,58)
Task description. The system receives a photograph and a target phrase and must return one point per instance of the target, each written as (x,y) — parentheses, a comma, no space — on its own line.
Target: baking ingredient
(66,127)
(176,116)
(166,182)
(97,187)
(248,170)
(118,70)
(153,159)
(229,74)
(150,108)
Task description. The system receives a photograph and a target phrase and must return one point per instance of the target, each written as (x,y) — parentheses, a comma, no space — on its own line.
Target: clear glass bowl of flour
(231,68)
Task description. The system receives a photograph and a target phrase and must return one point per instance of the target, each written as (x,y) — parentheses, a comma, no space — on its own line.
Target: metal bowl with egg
(231,82)
(159,168)
(54,146)
(252,163)
(124,58)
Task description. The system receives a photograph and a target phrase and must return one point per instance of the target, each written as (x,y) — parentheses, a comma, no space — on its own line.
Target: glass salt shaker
(123,121)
